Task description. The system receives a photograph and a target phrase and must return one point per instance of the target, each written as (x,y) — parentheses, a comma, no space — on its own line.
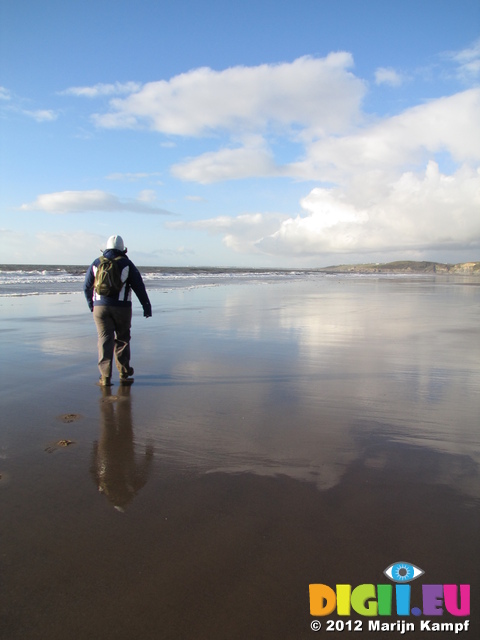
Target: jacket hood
(113,253)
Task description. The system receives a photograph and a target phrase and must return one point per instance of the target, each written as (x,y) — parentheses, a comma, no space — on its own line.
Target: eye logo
(403,572)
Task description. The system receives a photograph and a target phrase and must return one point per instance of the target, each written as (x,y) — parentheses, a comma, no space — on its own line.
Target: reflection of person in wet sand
(114,468)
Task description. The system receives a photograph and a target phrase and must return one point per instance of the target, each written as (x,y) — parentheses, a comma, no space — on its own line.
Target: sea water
(24,280)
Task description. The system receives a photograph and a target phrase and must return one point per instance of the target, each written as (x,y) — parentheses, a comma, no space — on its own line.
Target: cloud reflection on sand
(277,380)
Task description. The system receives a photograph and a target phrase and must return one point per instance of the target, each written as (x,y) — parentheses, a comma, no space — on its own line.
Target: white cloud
(240,233)
(61,247)
(388,76)
(98,90)
(132,177)
(319,95)
(13,104)
(41,115)
(448,124)
(195,198)
(445,125)
(91,201)
(147,195)
(467,61)
(416,212)
(390,193)
(227,164)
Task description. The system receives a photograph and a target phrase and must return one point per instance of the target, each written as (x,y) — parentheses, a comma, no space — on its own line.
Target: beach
(282,431)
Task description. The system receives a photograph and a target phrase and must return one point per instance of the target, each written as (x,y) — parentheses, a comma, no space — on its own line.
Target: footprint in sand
(61,444)
(69,417)
(66,418)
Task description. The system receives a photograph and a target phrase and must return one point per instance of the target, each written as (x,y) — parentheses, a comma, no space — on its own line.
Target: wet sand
(275,436)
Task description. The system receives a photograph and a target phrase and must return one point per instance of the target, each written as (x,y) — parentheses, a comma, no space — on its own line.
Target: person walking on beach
(108,289)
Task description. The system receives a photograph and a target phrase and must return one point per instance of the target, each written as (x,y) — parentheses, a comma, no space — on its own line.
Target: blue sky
(257,133)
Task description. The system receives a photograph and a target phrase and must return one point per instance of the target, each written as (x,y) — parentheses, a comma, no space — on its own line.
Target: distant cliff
(407,266)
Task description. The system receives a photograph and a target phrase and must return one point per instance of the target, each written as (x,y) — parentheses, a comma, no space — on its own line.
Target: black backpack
(108,281)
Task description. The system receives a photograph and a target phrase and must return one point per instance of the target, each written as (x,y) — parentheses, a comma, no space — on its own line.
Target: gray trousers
(113,328)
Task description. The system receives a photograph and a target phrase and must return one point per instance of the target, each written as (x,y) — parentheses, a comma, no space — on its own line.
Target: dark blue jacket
(131,278)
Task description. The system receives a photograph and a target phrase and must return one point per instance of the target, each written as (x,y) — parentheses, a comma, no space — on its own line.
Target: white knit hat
(116,242)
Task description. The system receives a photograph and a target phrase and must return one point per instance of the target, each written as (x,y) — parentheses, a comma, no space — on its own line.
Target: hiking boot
(126,378)
(103,381)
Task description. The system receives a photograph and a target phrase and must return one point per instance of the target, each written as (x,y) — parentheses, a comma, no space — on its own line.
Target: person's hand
(147,312)
(90,305)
